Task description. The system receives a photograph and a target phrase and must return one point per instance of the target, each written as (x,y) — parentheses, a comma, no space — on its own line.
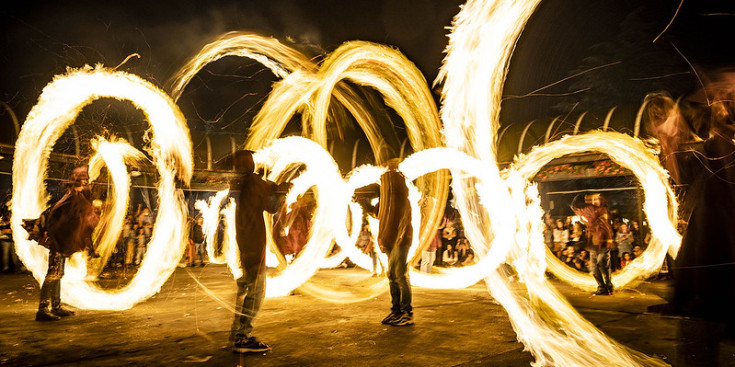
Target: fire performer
(256,195)
(599,238)
(65,228)
(395,233)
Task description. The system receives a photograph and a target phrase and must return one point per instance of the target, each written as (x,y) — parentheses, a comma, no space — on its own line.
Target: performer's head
(243,160)
(80,176)
(595,199)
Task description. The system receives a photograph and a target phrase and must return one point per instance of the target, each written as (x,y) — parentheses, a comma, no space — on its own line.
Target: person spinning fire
(395,234)
(256,196)
(65,229)
(594,213)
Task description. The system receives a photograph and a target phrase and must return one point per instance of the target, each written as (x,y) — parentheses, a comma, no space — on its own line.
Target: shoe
(393,316)
(45,315)
(250,345)
(406,319)
(602,292)
(62,312)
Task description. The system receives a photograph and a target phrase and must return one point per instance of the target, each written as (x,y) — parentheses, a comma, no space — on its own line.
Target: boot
(44,314)
(62,312)
(56,308)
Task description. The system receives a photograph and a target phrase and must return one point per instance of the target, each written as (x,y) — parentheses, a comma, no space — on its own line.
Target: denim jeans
(201,250)
(600,261)
(9,257)
(400,286)
(51,287)
(250,294)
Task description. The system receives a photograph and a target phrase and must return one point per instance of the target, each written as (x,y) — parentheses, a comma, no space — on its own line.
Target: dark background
(564,37)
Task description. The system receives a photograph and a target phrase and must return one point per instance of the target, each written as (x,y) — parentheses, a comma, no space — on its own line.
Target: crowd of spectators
(566,238)
(134,239)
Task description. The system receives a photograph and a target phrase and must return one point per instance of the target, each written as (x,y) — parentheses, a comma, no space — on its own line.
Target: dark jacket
(394,211)
(599,229)
(255,197)
(71,221)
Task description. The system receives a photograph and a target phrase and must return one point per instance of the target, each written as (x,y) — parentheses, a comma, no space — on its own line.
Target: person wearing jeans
(250,294)
(398,281)
(601,267)
(594,213)
(196,239)
(256,196)
(394,238)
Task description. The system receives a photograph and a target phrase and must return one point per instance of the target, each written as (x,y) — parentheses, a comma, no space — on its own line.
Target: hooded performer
(65,229)
(256,196)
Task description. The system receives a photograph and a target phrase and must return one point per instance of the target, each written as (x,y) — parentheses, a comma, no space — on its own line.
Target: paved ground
(184,326)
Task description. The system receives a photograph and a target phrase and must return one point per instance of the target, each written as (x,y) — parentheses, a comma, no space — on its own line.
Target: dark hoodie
(255,194)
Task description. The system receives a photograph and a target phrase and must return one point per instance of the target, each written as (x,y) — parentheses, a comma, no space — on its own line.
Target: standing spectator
(549,232)
(428,256)
(635,230)
(366,244)
(560,236)
(140,246)
(130,233)
(9,257)
(624,240)
(599,238)
(145,220)
(196,239)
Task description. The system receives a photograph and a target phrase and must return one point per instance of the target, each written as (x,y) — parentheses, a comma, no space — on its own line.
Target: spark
(670,22)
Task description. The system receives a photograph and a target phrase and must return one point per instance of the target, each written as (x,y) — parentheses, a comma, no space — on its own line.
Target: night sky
(41,39)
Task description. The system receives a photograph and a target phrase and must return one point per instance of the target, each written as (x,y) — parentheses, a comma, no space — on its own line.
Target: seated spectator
(568,255)
(577,236)
(450,256)
(469,260)
(637,251)
(625,259)
(463,250)
(581,261)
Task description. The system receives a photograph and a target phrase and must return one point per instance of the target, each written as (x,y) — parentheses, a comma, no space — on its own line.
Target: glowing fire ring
(632,154)
(56,110)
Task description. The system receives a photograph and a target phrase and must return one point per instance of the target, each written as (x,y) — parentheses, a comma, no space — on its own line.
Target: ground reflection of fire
(501,209)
